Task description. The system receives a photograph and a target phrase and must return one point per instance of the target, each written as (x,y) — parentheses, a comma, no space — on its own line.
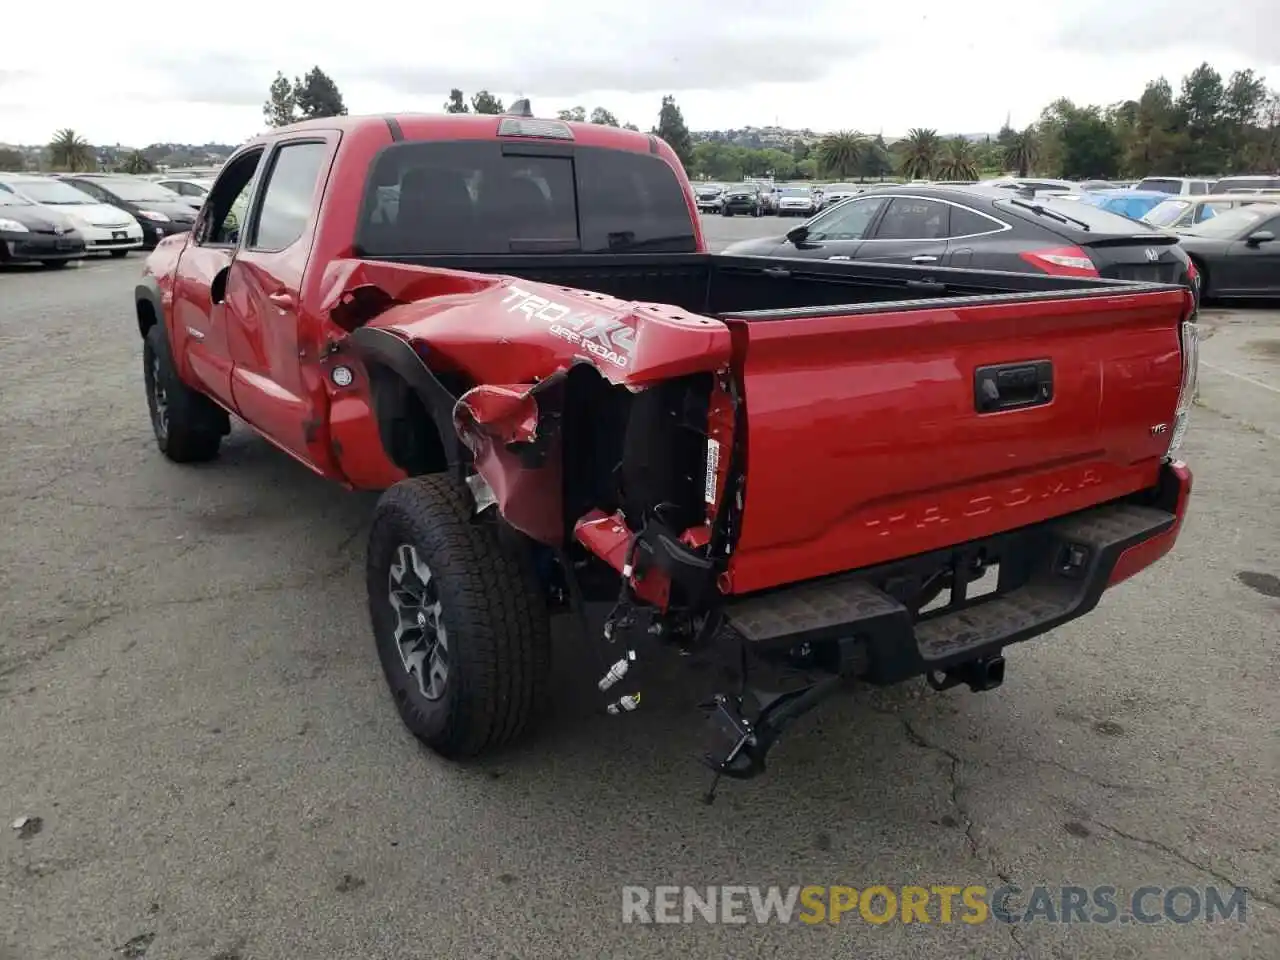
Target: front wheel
(118,254)
(461,630)
(54,264)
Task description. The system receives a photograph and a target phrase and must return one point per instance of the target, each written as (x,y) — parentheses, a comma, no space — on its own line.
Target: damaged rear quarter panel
(513,339)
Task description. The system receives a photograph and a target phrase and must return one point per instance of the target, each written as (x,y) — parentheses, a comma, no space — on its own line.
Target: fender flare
(382,348)
(147,291)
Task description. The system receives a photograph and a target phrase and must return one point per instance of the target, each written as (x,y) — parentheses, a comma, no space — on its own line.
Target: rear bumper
(1049,574)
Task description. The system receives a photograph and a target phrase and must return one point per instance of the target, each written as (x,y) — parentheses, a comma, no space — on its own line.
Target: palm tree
(1022,152)
(959,160)
(841,152)
(920,153)
(136,162)
(71,152)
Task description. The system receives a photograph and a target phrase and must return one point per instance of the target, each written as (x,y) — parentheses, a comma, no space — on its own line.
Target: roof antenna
(521,108)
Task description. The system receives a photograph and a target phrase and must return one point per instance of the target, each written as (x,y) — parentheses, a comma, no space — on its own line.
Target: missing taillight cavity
(1061,261)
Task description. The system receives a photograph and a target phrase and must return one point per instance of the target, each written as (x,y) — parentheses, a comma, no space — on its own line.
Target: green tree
(919,153)
(630,126)
(575,114)
(603,117)
(12,160)
(455,103)
(136,162)
(486,102)
(318,96)
(958,160)
(672,129)
(875,162)
(1243,105)
(1021,151)
(841,152)
(1086,146)
(281,108)
(71,152)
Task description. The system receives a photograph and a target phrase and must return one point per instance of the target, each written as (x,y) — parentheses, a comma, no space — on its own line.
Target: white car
(797,202)
(106,229)
(834,193)
(191,189)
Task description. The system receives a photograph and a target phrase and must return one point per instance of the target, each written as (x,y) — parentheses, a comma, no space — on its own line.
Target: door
(1256,267)
(199,314)
(838,233)
(273,378)
(911,230)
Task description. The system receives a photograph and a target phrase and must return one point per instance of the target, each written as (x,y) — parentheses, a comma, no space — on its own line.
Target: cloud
(1245,27)
(686,63)
(213,78)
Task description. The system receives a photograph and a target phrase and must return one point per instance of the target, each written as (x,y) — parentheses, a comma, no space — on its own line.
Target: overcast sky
(199,72)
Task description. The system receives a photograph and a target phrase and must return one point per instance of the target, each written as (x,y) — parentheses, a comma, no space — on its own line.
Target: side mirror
(797,235)
(1262,236)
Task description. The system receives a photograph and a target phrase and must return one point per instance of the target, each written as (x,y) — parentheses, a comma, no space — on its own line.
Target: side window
(227,206)
(966,223)
(1208,210)
(91,189)
(908,218)
(1199,187)
(286,204)
(848,221)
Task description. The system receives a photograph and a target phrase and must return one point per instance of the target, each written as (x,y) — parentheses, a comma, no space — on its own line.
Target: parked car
(191,190)
(981,227)
(104,228)
(1249,182)
(833,193)
(742,198)
(797,202)
(1178,186)
(709,196)
(1128,203)
(553,430)
(1176,213)
(30,232)
(769,192)
(1091,185)
(1237,252)
(160,211)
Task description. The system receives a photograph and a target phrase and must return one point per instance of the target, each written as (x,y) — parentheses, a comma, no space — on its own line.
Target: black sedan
(30,232)
(1237,252)
(982,227)
(160,211)
(744,198)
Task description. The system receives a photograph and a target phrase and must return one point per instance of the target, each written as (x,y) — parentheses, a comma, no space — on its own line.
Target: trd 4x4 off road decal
(599,334)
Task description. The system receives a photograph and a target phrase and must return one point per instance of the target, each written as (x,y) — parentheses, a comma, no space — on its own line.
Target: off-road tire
(494,615)
(193,426)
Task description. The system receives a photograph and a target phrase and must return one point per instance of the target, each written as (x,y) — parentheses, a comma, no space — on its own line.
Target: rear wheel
(461,630)
(119,253)
(188,426)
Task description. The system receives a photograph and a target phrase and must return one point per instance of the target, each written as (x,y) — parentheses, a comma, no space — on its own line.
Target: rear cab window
(1160,184)
(489,198)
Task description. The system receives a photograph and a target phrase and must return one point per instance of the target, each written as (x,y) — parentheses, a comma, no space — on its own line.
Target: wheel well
(146,315)
(405,424)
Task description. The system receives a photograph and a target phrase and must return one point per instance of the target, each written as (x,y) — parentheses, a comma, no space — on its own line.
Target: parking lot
(191,705)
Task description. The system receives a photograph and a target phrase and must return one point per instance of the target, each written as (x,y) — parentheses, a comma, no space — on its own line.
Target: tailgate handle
(1012,386)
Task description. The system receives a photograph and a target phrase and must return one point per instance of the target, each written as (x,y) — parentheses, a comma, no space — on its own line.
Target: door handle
(776,272)
(839,256)
(924,258)
(282,299)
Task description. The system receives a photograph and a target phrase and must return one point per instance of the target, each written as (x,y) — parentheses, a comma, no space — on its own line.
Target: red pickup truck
(810,471)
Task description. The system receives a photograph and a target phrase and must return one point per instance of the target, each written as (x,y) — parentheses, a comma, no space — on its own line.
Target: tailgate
(873,436)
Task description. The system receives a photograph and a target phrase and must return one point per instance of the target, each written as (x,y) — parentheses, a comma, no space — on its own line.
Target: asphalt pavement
(193,722)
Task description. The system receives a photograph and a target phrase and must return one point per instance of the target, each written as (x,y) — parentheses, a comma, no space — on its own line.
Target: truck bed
(772,287)
(869,434)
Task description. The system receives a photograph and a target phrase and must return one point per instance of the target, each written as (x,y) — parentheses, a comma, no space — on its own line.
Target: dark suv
(744,198)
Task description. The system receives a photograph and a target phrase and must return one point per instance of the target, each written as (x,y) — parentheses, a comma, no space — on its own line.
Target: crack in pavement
(971,841)
(25,661)
(1183,858)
